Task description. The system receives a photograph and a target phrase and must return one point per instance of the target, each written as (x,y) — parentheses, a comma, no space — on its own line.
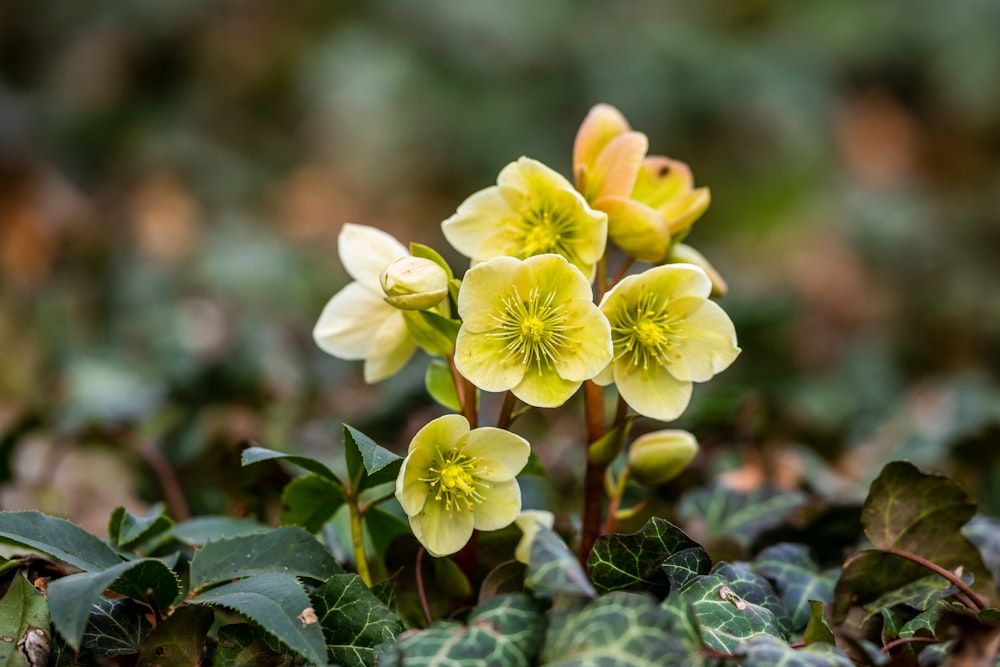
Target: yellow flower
(530,327)
(648,200)
(454,480)
(357,323)
(532,210)
(667,334)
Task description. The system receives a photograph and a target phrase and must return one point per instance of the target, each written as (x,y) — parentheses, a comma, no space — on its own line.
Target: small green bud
(658,457)
(414,283)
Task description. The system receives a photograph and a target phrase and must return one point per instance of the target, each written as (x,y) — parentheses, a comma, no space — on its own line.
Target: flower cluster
(535,315)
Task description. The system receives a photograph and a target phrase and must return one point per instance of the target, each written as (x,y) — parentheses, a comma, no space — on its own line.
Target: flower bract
(357,323)
(530,327)
(455,480)
(667,334)
(532,210)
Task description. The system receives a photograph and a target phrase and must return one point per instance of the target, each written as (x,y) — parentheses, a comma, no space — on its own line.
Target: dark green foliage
(554,569)
(635,562)
(354,620)
(724,512)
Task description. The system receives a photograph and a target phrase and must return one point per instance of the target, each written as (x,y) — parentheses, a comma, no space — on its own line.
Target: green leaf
(727,513)
(755,589)
(242,644)
(126,530)
(507,577)
(354,621)
(710,611)
(72,598)
(434,333)
(926,621)
(923,514)
(505,631)
(620,629)
(635,561)
(287,550)
(921,594)
(23,612)
(382,528)
(867,575)
(606,449)
(380,465)
(817,630)
(198,531)
(115,627)
(178,639)
(257,454)
(276,602)
(796,578)
(553,568)
(426,252)
(766,651)
(310,501)
(57,538)
(440,384)
(686,564)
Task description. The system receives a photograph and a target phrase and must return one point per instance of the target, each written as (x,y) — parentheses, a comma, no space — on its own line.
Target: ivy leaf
(257,454)
(368,464)
(504,631)
(286,550)
(552,567)
(507,577)
(817,630)
(868,574)
(126,530)
(766,651)
(72,598)
(279,604)
(635,562)
(685,565)
(178,639)
(198,531)
(921,594)
(984,532)
(923,514)
(246,644)
(309,501)
(755,589)
(57,538)
(354,621)
(708,611)
(115,627)
(796,578)
(721,512)
(621,629)
(22,610)
(926,621)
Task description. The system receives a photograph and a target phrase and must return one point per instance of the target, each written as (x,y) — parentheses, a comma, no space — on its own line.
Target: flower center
(533,330)
(543,237)
(545,228)
(645,333)
(453,476)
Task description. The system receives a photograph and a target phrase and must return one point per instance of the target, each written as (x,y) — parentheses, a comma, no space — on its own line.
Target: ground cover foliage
(169,206)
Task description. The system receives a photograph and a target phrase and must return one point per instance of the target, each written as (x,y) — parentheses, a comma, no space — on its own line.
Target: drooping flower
(656,458)
(667,335)
(530,327)
(532,210)
(357,323)
(649,200)
(454,480)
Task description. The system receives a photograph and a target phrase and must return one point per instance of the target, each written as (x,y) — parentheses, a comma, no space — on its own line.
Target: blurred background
(173,176)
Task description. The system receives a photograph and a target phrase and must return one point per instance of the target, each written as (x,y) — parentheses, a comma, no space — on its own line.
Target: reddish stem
(421,593)
(977,601)
(593,481)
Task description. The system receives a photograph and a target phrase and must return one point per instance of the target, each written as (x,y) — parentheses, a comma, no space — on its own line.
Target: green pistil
(532,330)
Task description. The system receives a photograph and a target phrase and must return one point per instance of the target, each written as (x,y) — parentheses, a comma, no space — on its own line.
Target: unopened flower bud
(658,457)
(530,522)
(414,283)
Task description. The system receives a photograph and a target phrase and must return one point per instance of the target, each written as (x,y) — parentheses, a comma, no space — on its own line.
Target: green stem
(358,542)
(955,581)
(615,501)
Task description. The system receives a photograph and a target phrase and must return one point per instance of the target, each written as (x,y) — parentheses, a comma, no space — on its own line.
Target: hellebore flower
(530,327)
(656,458)
(667,335)
(532,210)
(357,323)
(414,283)
(648,199)
(454,480)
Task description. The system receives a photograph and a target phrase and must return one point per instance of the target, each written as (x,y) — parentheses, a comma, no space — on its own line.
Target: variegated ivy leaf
(720,512)
(796,578)
(921,595)
(755,589)
(552,567)
(685,565)
(766,651)
(354,621)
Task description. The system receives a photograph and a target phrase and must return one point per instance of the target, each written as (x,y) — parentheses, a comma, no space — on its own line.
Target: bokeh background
(173,176)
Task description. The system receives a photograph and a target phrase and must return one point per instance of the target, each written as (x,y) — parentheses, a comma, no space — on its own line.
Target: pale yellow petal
(485,362)
(614,172)
(675,281)
(347,326)
(652,392)
(500,507)
(602,123)
(681,212)
(392,347)
(708,344)
(479,218)
(440,435)
(442,532)
(589,351)
(481,287)
(661,179)
(554,275)
(411,492)
(544,390)
(504,454)
(365,252)
(606,376)
(682,253)
(640,231)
